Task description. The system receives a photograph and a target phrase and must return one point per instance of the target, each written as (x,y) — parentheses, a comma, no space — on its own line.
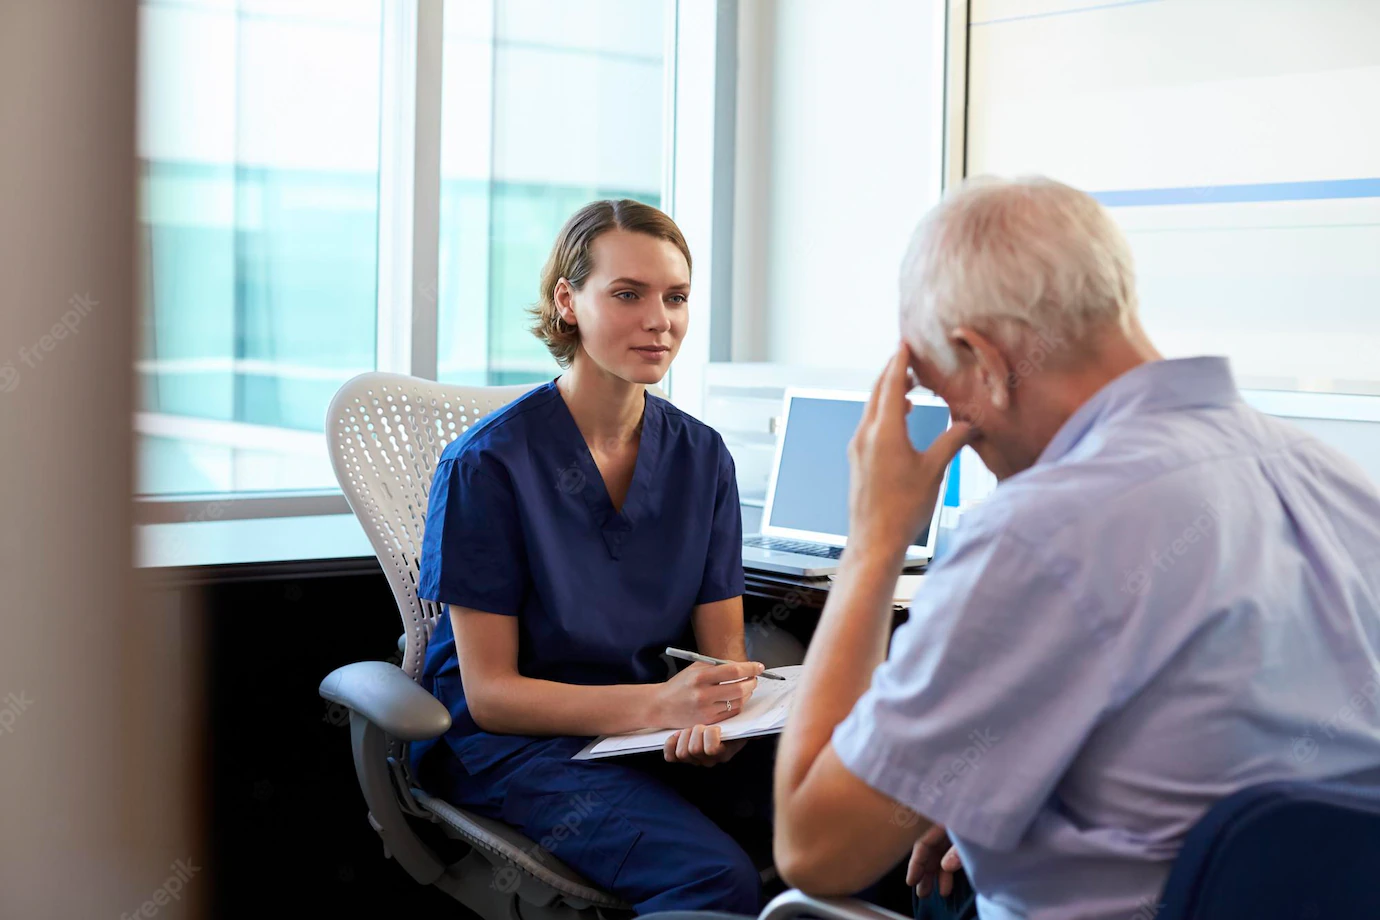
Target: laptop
(805,521)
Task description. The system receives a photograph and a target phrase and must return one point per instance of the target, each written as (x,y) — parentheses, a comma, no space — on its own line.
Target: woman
(574,535)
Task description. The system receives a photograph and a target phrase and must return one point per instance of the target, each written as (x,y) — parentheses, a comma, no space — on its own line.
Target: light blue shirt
(1179,599)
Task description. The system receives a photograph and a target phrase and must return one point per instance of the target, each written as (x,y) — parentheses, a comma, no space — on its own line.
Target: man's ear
(994,371)
(564,297)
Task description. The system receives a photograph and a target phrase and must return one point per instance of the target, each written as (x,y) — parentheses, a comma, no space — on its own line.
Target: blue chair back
(1281,851)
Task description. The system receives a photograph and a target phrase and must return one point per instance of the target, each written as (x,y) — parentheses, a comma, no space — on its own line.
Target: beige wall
(92,691)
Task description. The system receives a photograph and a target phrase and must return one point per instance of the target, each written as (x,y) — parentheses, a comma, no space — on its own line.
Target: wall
(95,748)
(839,124)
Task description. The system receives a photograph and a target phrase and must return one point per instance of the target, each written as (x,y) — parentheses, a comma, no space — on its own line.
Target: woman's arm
(502,700)
(719,630)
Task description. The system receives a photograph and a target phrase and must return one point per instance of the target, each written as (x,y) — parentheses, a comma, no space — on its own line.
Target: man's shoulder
(1103,489)
(1132,482)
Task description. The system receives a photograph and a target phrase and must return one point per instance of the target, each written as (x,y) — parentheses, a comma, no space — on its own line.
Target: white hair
(1027,252)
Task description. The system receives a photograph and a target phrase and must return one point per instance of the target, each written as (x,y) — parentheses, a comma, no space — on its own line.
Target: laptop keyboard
(821,550)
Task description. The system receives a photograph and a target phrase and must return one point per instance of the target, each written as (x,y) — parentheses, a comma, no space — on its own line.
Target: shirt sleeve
(723,565)
(989,691)
(473,553)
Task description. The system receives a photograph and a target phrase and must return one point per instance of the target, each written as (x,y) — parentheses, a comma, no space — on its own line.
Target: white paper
(764,714)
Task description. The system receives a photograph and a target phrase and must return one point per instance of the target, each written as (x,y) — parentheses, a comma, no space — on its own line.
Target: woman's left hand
(700,745)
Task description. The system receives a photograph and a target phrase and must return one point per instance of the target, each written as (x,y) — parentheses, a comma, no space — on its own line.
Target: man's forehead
(925,369)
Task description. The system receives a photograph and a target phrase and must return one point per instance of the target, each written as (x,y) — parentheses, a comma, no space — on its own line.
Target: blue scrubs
(520,524)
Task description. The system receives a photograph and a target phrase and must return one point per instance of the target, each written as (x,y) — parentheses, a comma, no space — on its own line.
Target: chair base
(499,891)
(503,862)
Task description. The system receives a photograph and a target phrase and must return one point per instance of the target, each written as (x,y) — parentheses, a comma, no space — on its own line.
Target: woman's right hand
(696,696)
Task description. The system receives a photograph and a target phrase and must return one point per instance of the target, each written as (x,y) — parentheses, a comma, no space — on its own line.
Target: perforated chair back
(386,434)
(1280,851)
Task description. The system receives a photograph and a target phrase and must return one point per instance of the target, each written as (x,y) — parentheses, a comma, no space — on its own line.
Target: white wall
(1223,137)
(839,125)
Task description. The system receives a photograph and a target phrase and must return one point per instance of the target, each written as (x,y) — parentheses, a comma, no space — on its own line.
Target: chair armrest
(385,695)
(796,903)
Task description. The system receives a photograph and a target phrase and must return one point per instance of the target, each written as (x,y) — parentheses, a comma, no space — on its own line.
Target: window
(271,141)
(547,106)
(259,146)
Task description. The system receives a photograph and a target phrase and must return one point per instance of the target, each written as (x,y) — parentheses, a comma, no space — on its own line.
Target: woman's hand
(933,860)
(703,694)
(701,745)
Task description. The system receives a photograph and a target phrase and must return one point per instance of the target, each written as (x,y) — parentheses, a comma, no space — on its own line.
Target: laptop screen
(812,480)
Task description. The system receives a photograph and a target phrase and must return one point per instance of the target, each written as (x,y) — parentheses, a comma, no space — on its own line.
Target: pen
(696,656)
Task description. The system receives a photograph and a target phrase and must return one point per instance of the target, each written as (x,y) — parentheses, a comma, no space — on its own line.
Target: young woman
(574,535)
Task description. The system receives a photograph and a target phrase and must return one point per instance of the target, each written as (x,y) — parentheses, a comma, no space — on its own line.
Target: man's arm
(834,833)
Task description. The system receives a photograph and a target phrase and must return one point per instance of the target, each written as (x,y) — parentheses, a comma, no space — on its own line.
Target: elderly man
(1169,596)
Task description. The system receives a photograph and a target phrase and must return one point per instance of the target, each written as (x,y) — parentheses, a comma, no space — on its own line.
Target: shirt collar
(1156,386)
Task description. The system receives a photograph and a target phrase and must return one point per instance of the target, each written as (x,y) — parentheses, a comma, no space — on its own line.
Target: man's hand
(893,487)
(933,859)
(701,745)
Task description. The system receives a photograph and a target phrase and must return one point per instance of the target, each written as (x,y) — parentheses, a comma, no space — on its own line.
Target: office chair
(790,905)
(386,433)
(1276,851)
(1280,851)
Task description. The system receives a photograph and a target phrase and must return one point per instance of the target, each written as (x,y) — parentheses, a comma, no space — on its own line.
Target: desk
(792,603)
(790,590)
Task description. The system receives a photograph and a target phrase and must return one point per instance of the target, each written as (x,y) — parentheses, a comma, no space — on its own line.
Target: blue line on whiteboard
(1047,15)
(1315,190)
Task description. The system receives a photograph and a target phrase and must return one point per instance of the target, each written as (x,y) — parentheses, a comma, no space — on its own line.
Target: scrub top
(520,524)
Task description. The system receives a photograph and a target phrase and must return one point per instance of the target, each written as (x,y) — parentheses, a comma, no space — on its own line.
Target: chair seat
(509,844)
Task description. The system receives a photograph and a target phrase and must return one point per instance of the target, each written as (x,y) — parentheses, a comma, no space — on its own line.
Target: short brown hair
(570,259)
